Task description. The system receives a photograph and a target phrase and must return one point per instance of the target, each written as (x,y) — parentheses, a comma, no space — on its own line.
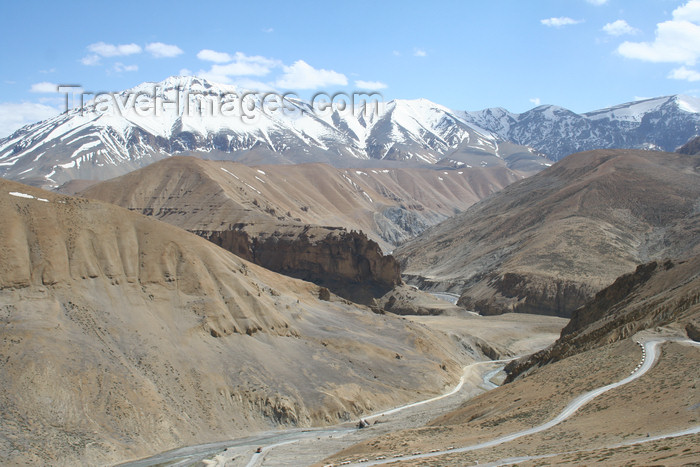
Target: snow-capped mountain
(662,123)
(119,132)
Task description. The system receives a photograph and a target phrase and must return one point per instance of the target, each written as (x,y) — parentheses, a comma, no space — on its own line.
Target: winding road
(649,357)
(274,439)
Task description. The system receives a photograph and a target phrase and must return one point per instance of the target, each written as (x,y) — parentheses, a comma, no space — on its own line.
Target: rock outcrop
(347,263)
(528,293)
(656,294)
(408,300)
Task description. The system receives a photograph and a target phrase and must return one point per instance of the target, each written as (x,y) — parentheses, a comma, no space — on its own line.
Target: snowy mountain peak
(661,123)
(688,103)
(119,132)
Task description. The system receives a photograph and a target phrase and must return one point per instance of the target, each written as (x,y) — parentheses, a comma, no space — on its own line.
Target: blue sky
(466,55)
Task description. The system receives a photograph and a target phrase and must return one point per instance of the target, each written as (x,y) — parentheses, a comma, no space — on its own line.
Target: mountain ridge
(120,132)
(546,244)
(661,123)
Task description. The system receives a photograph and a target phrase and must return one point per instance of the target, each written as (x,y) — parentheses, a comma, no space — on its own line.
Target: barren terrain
(547,244)
(662,402)
(285,448)
(122,336)
(389,205)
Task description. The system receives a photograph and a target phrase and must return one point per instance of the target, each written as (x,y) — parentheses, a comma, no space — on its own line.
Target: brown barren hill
(122,336)
(547,244)
(310,221)
(659,301)
(389,205)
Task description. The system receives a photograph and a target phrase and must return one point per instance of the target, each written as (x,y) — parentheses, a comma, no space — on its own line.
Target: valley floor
(516,335)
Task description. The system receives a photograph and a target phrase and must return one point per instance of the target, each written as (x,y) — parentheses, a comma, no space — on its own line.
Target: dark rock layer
(347,263)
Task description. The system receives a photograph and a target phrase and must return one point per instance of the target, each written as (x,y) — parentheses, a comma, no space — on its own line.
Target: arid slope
(659,301)
(389,205)
(656,294)
(122,336)
(547,244)
(309,221)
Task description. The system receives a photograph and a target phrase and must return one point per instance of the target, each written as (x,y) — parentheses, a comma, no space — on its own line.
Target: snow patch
(19,194)
(85,146)
(252,188)
(230,173)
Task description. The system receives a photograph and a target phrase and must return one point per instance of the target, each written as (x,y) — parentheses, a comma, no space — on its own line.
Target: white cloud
(536,101)
(420,53)
(619,28)
(90,60)
(110,50)
(102,49)
(241,65)
(185,72)
(597,2)
(685,74)
(396,53)
(688,12)
(559,22)
(120,67)
(15,115)
(268,30)
(241,68)
(252,85)
(44,87)
(301,75)
(209,55)
(370,85)
(161,50)
(675,41)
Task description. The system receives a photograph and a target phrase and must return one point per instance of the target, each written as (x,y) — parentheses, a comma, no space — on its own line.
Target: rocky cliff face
(528,293)
(659,293)
(347,263)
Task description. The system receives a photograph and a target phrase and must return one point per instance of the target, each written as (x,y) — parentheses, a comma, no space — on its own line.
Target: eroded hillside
(547,244)
(122,336)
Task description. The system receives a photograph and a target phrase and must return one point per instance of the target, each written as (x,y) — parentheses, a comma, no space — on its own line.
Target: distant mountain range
(118,133)
(662,123)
